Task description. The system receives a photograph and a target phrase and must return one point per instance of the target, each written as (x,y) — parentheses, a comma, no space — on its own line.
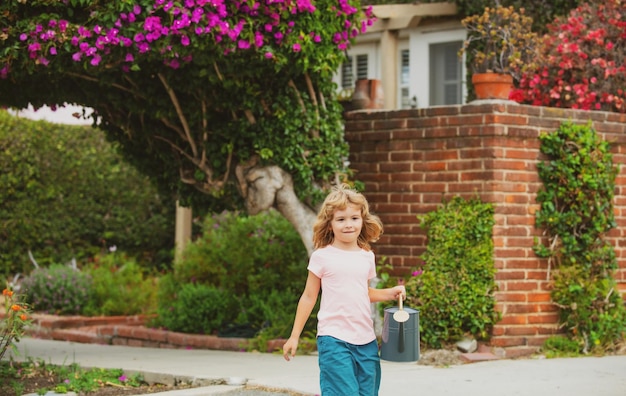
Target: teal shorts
(347,369)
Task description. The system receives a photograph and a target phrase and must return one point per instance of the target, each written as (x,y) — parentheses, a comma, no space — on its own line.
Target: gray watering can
(401,334)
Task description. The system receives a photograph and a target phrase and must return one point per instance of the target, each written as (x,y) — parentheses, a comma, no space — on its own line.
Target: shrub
(585,65)
(560,346)
(576,213)
(58,289)
(454,288)
(194,308)
(119,287)
(245,254)
(65,192)
(500,40)
(271,316)
(247,258)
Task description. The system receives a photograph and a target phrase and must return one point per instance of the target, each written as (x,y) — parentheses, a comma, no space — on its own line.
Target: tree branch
(179,111)
(313,96)
(168,124)
(299,97)
(93,79)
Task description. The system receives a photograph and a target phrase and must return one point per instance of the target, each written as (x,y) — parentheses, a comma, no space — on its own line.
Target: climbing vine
(576,212)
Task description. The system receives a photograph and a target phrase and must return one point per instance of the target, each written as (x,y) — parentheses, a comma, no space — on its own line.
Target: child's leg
(337,367)
(368,368)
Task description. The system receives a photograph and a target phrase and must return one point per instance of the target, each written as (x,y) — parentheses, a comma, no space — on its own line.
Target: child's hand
(290,348)
(398,291)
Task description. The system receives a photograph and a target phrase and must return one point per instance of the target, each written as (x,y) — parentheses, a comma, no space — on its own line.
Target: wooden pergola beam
(402,16)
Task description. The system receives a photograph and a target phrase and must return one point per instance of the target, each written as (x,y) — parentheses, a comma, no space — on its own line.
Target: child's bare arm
(391,293)
(305,307)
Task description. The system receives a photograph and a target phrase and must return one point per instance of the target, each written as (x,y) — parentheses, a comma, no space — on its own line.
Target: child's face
(346,225)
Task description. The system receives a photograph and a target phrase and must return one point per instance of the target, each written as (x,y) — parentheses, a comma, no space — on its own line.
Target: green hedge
(65,193)
(246,273)
(454,289)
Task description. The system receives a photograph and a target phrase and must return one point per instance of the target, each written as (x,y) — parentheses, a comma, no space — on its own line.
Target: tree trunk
(265,187)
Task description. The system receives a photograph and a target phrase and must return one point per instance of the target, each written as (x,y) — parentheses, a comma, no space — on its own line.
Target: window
(405,73)
(445,74)
(347,79)
(348,75)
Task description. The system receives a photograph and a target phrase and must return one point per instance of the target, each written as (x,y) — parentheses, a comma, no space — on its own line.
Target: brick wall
(410,160)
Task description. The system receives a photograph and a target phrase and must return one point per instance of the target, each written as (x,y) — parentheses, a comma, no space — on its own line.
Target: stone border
(130,331)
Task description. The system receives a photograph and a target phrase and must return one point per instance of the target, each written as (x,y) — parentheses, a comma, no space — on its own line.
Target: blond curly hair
(338,199)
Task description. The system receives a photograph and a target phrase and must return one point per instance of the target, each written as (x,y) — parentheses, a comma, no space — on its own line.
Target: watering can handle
(400,302)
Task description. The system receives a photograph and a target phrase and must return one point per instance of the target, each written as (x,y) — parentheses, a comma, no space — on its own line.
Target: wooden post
(183,229)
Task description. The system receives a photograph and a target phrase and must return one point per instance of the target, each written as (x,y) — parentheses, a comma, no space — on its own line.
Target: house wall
(414,27)
(421,39)
(410,160)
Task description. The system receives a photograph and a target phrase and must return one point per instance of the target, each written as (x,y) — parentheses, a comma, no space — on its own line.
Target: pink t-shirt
(345,311)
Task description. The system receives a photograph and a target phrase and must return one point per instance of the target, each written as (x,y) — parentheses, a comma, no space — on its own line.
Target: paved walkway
(588,376)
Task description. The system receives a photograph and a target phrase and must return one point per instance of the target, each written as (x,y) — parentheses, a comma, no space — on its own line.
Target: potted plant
(500,45)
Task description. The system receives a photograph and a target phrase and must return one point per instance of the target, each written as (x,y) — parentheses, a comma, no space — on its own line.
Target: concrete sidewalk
(604,376)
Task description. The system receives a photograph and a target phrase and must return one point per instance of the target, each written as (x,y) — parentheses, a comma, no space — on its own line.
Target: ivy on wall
(576,213)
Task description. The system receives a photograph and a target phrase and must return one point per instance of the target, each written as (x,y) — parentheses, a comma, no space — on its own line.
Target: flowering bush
(193,89)
(585,61)
(500,40)
(16,317)
(134,29)
(58,289)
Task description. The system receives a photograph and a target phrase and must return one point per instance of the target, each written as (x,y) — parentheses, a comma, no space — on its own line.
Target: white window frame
(373,64)
(403,45)
(421,40)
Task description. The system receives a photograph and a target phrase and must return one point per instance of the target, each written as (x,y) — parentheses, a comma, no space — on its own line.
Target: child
(342,266)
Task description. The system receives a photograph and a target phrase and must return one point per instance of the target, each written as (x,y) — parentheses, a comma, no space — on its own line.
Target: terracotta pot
(492,85)
(368,94)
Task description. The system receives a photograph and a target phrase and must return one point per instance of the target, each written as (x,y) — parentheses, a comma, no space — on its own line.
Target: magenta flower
(258,39)
(143,48)
(243,44)
(34,47)
(296,47)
